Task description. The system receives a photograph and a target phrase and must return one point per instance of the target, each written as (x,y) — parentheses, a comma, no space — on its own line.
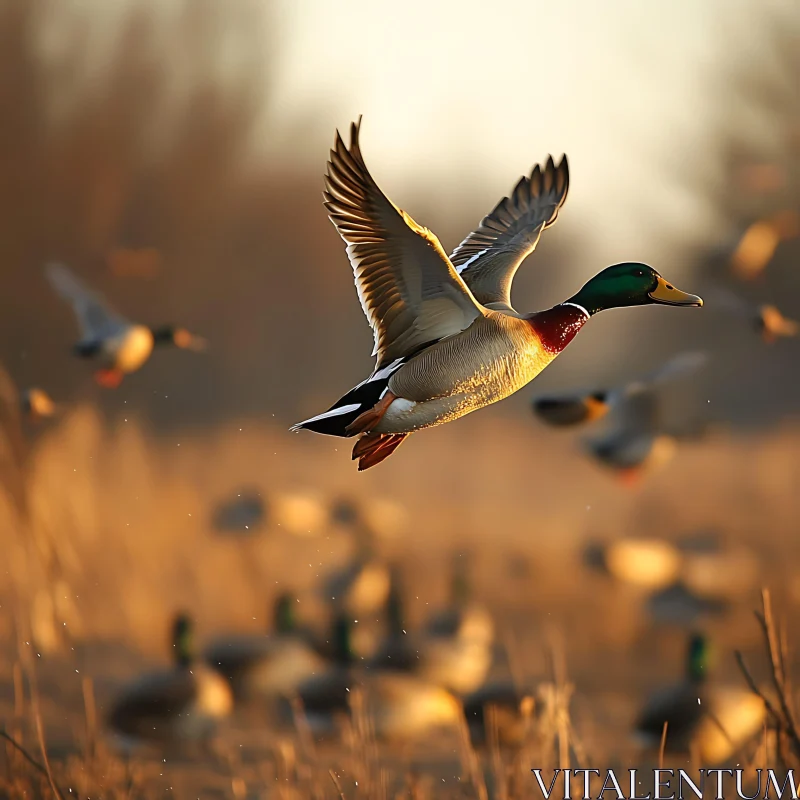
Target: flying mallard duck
(119,346)
(399,706)
(765,319)
(581,407)
(447,339)
(708,719)
(269,665)
(179,704)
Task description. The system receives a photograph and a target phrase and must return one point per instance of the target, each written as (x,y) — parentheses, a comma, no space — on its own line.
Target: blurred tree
(751,178)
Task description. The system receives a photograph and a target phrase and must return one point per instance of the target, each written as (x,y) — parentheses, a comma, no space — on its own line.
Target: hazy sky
(478,92)
(460,97)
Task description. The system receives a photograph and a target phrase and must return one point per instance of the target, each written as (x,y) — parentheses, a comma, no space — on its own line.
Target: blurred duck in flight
(578,408)
(115,344)
(636,436)
(765,319)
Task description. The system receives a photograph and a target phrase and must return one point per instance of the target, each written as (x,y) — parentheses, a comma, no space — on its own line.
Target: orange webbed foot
(630,477)
(108,378)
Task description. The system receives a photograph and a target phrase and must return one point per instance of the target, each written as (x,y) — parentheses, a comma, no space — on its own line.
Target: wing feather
(96,319)
(490,256)
(409,290)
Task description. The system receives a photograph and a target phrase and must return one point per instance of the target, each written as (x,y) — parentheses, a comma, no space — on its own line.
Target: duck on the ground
(361,586)
(241,514)
(499,712)
(118,346)
(268,665)
(464,617)
(183,703)
(718,569)
(396,705)
(646,562)
(707,719)
(447,339)
(454,651)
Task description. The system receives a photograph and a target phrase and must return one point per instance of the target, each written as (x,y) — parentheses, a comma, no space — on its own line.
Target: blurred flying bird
(447,339)
(766,320)
(710,720)
(760,240)
(117,345)
(575,409)
(636,436)
(36,404)
(638,439)
(184,703)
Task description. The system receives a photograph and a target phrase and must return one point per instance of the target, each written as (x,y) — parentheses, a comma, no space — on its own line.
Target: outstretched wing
(490,256)
(679,366)
(407,286)
(96,319)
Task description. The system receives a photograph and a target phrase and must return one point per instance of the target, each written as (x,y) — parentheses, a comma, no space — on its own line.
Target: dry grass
(120,520)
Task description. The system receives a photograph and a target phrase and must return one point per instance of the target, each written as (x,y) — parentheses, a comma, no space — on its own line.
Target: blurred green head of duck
(460,589)
(343,640)
(183,639)
(345,512)
(699,657)
(630,284)
(284,620)
(394,606)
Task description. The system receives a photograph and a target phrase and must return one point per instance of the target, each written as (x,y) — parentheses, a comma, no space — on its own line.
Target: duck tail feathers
(347,409)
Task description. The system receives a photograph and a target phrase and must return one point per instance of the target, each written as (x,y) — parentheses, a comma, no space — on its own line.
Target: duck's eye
(639,273)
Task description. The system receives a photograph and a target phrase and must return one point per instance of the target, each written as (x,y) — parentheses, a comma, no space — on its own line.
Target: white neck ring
(579,307)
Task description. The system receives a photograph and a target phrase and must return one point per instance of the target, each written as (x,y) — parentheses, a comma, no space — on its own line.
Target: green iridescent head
(343,640)
(183,639)
(630,284)
(460,586)
(283,616)
(394,606)
(699,657)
